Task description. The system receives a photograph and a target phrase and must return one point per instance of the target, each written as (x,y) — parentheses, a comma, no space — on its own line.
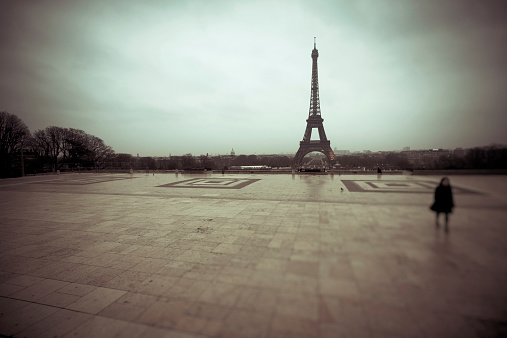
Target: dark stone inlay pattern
(63,180)
(351,186)
(222,183)
(397,187)
(371,184)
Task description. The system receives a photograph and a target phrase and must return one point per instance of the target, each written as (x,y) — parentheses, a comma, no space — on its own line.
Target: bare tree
(74,146)
(85,149)
(13,134)
(49,143)
(69,147)
(99,150)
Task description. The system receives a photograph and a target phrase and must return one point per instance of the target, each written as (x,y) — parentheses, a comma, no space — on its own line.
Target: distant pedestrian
(379,171)
(443,202)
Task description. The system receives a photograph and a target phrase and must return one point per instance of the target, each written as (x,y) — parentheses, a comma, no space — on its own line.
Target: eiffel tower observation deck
(307,145)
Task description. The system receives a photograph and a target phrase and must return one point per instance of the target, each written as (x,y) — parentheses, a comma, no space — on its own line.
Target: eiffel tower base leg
(306,148)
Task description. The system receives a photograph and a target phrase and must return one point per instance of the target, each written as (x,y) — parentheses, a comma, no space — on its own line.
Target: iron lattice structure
(323,145)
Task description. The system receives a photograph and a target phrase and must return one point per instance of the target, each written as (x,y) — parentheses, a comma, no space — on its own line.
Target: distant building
(341,152)
(232,152)
(406,149)
(425,158)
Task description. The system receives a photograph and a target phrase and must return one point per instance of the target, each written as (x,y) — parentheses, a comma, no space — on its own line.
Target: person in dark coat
(443,201)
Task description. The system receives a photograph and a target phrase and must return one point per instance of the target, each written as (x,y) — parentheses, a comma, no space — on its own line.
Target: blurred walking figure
(443,201)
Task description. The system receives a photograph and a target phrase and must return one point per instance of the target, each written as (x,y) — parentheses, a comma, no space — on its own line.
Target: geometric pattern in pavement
(83,180)
(397,186)
(215,183)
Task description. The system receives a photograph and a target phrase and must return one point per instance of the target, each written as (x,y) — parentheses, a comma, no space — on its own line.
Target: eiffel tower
(314,121)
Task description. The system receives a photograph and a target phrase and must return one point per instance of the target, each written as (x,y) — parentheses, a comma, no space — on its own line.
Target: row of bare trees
(69,147)
(491,157)
(53,148)
(372,161)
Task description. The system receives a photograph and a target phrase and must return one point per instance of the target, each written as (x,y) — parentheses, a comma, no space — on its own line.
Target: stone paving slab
(170,255)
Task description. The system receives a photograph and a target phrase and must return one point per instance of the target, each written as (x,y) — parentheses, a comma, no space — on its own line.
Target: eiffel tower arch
(314,121)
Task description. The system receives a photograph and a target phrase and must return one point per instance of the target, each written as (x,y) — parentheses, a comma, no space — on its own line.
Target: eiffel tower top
(314,99)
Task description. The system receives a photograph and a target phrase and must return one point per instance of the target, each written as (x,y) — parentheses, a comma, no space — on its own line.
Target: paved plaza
(246,255)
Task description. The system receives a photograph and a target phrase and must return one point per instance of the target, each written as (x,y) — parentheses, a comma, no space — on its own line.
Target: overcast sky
(162,77)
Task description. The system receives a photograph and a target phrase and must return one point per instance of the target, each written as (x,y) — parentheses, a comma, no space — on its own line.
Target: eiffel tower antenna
(314,121)
(314,99)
